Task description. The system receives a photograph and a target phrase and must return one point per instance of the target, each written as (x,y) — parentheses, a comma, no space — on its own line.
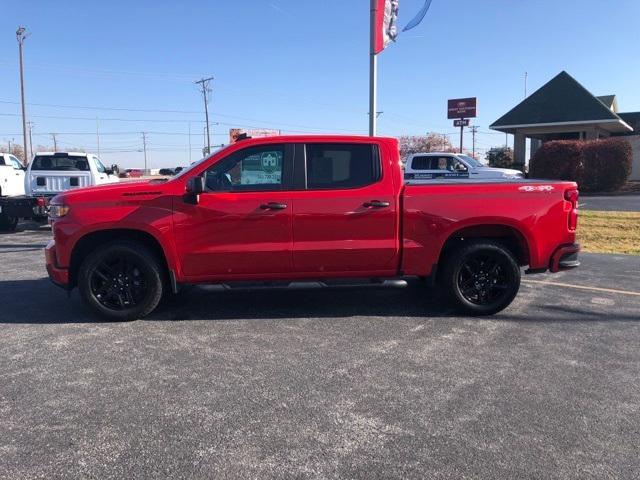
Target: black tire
(121,281)
(481,277)
(7,223)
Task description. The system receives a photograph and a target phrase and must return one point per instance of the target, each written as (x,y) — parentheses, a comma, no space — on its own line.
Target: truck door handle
(376,204)
(273,206)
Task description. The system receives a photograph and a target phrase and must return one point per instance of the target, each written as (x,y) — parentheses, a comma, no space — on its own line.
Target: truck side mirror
(195,186)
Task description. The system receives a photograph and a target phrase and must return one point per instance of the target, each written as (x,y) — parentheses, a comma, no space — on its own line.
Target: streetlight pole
(373,70)
(20,36)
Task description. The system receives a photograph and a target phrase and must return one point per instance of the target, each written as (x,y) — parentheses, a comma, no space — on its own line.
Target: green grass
(609,232)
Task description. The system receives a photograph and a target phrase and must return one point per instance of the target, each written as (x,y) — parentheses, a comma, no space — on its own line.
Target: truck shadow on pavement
(40,302)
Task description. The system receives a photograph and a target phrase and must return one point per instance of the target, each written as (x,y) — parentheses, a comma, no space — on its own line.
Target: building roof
(632,119)
(609,101)
(562,100)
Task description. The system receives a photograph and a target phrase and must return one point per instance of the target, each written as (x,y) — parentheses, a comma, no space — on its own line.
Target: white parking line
(583,287)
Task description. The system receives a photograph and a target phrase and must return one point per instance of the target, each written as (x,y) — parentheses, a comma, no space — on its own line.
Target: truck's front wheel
(481,277)
(121,281)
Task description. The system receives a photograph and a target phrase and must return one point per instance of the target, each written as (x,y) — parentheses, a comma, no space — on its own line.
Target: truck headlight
(58,211)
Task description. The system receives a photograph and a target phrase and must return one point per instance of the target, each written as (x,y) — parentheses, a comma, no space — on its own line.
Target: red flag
(386,24)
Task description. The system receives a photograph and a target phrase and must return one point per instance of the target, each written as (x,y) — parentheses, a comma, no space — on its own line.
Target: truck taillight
(572,196)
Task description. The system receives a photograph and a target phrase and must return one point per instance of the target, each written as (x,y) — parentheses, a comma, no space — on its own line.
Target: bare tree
(431,142)
(16,150)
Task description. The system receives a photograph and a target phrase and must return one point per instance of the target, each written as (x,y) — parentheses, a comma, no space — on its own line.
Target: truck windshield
(471,161)
(198,162)
(60,163)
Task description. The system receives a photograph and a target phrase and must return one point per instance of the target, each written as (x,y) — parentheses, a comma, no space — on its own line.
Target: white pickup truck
(11,184)
(11,175)
(429,166)
(47,175)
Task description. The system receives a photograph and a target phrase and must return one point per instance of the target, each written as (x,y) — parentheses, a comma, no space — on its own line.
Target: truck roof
(70,154)
(314,137)
(433,154)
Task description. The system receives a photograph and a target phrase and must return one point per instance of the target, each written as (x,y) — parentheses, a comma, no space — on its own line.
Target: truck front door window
(253,169)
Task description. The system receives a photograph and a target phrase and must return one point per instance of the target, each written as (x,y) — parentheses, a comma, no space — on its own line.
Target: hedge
(597,165)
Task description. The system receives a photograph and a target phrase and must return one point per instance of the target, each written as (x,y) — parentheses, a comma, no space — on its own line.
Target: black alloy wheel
(482,277)
(122,280)
(118,283)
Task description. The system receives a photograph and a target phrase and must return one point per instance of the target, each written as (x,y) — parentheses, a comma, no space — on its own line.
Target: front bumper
(565,258)
(59,276)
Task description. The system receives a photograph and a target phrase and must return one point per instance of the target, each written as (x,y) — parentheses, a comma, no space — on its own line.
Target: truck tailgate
(49,182)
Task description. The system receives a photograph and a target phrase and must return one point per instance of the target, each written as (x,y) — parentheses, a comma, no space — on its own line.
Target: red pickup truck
(315,208)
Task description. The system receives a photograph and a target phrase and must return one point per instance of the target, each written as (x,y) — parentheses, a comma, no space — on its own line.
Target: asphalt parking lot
(611,203)
(375,382)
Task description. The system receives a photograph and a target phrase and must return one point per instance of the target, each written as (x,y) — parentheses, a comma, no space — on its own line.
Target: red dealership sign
(462,108)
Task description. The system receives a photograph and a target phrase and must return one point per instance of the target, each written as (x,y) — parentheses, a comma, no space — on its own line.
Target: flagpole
(373,70)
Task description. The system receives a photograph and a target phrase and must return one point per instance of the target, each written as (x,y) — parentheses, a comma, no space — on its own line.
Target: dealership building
(563,109)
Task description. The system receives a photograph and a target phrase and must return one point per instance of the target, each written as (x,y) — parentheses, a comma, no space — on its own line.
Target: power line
(115,109)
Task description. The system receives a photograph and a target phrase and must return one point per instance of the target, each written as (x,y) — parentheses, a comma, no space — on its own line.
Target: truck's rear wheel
(482,277)
(121,281)
(7,223)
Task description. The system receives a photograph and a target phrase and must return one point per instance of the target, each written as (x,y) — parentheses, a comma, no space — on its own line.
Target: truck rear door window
(338,166)
(60,163)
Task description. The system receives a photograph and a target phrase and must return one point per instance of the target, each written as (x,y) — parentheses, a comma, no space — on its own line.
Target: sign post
(461,109)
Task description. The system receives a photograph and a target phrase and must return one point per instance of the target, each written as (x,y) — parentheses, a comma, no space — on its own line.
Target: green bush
(597,165)
(500,157)
(607,164)
(559,159)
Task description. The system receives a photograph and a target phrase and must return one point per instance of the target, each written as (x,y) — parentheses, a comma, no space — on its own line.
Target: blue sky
(300,66)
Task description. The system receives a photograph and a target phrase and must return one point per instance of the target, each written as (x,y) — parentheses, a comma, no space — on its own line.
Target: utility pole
(144,148)
(189,143)
(204,86)
(98,135)
(525,84)
(373,70)
(9,142)
(30,140)
(21,35)
(474,129)
(55,143)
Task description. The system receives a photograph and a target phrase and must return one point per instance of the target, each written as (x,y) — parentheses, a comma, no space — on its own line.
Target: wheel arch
(93,240)
(511,237)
